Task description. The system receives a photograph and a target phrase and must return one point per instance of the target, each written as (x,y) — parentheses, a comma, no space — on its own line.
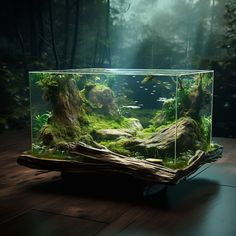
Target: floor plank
(36,223)
(223,173)
(34,202)
(197,207)
(229,145)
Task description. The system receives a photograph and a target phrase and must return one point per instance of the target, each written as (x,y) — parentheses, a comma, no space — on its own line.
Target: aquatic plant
(48,80)
(178,164)
(207,81)
(117,146)
(166,115)
(110,80)
(40,120)
(205,123)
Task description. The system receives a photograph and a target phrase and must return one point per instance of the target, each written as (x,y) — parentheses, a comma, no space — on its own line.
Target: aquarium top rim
(122,71)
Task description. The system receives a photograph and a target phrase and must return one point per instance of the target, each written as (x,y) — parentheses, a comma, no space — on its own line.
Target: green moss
(117,146)
(55,155)
(146,133)
(98,122)
(145,116)
(205,125)
(57,132)
(151,129)
(179,164)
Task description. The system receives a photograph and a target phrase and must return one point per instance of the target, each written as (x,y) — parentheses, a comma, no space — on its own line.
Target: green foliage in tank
(166,115)
(206,128)
(55,154)
(117,146)
(207,81)
(40,120)
(110,80)
(48,80)
(179,164)
(98,122)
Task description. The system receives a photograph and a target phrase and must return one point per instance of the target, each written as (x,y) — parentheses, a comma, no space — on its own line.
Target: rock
(113,134)
(135,124)
(162,143)
(102,98)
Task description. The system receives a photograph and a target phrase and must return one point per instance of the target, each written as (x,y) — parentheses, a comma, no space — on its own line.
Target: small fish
(97,78)
(152,93)
(131,107)
(141,105)
(133,76)
(147,79)
(138,82)
(125,96)
(146,89)
(226,105)
(154,86)
(136,101)
(141,87)
(161,99)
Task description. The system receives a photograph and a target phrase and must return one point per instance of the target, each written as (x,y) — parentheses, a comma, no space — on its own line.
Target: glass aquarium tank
(132,121)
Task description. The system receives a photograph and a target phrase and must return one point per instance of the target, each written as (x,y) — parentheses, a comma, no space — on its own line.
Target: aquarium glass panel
(161,116)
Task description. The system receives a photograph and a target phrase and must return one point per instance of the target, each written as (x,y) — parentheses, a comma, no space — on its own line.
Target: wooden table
(36,202)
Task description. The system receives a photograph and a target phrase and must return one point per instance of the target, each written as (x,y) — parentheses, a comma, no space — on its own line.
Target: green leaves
(40,120)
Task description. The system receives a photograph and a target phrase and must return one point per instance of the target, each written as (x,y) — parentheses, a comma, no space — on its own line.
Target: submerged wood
(103,161)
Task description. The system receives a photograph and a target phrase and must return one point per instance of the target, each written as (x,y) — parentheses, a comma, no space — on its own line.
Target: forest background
(167,34)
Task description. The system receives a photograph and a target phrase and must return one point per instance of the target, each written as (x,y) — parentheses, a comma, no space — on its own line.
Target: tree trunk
(33,31)
(67,112)
(22,44)
(96,45)
(75,38)
(52,33)
(41,28)
(66,39)
(108,50)
(66,102)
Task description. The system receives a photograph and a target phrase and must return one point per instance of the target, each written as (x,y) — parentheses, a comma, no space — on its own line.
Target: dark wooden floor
(40,203)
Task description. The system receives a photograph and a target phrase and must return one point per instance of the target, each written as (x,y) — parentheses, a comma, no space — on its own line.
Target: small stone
(135,124)
(113,134)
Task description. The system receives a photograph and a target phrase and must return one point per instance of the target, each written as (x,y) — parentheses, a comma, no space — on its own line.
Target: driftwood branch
(103,161)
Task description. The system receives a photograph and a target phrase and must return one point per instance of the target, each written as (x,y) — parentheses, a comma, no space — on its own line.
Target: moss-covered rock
(162,143)
(102,100)
(114,134)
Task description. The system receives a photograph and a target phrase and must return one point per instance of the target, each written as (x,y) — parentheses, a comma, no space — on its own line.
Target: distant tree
(66,34)
(51,20)
(230,32)
(107,45)
(75,36)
